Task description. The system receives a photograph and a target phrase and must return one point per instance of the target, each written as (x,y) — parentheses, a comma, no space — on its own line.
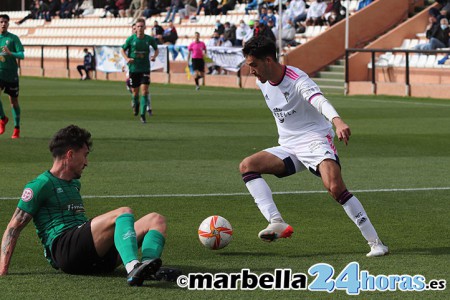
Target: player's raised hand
(342,130)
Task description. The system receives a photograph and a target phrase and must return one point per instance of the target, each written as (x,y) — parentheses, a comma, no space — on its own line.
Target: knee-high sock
(16,115)
(125,238)
(152,245)
(143,104)
(135,100)
(262,194)
(2,112)
(358,215)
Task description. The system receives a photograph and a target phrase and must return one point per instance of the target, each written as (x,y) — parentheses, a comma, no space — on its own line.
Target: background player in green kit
(71,242)
(11,49)
(136,52)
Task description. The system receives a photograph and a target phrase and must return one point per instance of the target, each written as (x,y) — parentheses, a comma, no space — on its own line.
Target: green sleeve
(32,196)
(127,44)
(153,43)
(18,55)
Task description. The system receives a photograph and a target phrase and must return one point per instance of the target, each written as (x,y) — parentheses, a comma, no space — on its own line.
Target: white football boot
(377,248)
(276,231)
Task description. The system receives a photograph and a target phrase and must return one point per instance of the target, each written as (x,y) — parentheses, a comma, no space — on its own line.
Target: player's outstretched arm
(18,222)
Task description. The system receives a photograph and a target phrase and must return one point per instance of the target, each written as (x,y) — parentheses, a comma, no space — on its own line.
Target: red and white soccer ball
(215,232)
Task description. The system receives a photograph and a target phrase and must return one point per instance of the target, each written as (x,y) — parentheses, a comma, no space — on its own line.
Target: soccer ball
(215,232)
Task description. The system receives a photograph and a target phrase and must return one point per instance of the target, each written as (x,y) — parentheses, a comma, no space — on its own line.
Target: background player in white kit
(306,142)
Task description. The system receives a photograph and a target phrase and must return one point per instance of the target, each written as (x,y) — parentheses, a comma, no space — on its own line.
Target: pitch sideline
(245,194)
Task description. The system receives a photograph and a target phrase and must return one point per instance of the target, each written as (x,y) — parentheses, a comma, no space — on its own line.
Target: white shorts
(306,155)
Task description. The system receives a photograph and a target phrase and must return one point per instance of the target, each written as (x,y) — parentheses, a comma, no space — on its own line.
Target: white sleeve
(323,106)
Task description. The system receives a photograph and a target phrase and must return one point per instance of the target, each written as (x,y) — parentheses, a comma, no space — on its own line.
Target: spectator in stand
(190,7)
(170,35)
(297,12)
(251,25)
(363,3)
(226,5)
(52,9)
(219,27)
(315,12)
(136,8)
(251,6)
(122,6)
(205,5)
(175,6)
(87,65)
(215,41)
(241,32)
(209,7)
(263,15)
(334,12)
(154,7)
(438,34)
(264,30)
(270,17)
(35,12)
(66,9)
(77,8)
(157,32)
(110,7)
(229,33)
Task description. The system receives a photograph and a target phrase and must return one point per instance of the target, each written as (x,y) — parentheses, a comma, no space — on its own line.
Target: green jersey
(139,50)
(8,63)
(55,205)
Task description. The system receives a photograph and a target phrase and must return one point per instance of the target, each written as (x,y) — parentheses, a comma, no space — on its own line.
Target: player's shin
(262,194)
(358,215)
(143,105)
(16,115)
(125,239)
(152,245)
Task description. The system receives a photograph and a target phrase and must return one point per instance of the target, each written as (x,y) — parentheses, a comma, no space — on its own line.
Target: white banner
(110,60)
(230,59)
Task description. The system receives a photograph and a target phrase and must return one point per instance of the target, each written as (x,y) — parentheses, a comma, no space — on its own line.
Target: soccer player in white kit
(304,120)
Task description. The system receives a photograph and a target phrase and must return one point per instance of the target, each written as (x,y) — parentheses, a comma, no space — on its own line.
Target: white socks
(357,214)
(262,194)
(130,266)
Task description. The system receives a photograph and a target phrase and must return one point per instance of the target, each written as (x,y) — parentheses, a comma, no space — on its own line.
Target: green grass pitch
(184,164)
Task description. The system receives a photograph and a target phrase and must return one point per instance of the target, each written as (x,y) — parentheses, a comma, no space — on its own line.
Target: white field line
(393,190)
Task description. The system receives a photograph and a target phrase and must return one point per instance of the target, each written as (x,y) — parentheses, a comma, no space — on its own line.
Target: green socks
(125,238)
(16,116)
(152,245)
(143,108)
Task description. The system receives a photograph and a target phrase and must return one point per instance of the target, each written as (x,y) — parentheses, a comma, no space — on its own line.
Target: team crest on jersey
(286,96)
(27,195)
(278,113)
(266,97)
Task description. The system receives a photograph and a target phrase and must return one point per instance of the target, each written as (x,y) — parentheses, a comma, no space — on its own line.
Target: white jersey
(289,100)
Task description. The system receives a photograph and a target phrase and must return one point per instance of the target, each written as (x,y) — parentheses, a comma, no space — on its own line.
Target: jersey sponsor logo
(76,208)
(27,195)
(281,115)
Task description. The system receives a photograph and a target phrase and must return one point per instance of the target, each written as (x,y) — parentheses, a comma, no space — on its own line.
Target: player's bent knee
(157,221)
(246,165)
(124,210)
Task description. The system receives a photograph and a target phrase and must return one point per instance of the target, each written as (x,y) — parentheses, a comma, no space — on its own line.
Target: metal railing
(373,52)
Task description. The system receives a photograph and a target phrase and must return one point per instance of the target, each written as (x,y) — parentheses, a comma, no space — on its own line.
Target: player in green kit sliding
(71,241)
(11,49)
(136,52)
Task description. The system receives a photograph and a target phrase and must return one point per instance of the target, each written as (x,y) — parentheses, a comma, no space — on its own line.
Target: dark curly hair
(260,47)
(70,137)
